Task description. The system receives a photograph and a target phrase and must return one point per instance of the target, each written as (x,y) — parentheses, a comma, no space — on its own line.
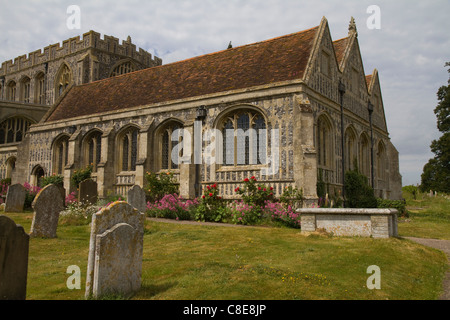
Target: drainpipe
(341,89)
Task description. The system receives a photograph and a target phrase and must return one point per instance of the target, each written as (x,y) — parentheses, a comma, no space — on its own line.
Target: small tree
(357,190)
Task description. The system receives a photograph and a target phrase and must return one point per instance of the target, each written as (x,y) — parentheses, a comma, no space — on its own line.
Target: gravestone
(136,198)
(87,192)
(14,244)
(115,251)
(47,205)
(15,198)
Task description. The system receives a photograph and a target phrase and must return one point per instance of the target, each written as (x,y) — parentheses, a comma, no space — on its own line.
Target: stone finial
(352,28)
(129,39)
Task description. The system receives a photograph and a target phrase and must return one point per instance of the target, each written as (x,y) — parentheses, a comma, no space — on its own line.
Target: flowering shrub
(243,213)
(4,189)
(81,175)
(77,214)
(31,192)
(284,214)
(53,179)
(253,193)
(211,206)
(172,206)
(71,198)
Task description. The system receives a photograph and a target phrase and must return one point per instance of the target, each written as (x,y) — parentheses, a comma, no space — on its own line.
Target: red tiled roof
(368,80)
(339,49)
(280,59)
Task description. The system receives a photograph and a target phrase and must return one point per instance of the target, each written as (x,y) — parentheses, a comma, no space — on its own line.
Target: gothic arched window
(39,95)
(324,143)
(128,149)
(13,130)
(93,149)
(170,138)
(63,80)
(25,88)
(123,68)
(364,155)
(60,154)
(244,138)
(11,91)
(350,148)
(381,161)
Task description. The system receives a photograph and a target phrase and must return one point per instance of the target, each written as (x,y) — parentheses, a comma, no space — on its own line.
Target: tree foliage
(436,173)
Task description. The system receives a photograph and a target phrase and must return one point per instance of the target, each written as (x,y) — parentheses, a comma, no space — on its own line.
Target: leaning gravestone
(115,251)
(15,198)
(14,244)
(136,198)
(88,192)
(47,205)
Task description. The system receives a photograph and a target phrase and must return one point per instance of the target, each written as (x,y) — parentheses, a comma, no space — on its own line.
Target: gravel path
(444,246)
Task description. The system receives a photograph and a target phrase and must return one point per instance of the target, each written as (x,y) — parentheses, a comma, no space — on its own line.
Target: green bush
(81,175)
(292,196)
(160,185)
(413,190)
(54,179)
(400,205)
(358,193)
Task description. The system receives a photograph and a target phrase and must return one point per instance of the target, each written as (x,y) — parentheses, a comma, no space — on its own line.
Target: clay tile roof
(368,79)
(339,48)
(280,59)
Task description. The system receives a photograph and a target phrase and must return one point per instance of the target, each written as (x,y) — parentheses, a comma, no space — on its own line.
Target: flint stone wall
(376,223)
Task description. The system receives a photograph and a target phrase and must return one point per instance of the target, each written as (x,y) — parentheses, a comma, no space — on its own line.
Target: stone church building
(120,110)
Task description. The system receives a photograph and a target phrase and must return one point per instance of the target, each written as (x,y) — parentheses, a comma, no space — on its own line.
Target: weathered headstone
(115,251)
(15,198)
(87,192)
(47,205)
(136,198)
(14,244)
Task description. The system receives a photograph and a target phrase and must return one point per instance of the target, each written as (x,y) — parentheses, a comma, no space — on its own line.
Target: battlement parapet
(76,44)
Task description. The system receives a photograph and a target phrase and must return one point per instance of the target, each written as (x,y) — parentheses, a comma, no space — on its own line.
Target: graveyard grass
(190,261)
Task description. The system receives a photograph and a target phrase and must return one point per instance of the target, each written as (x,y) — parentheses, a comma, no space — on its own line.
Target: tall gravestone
(15,198)
(14,244)
(47,205)
(115,251)
(87,192)
(136,198)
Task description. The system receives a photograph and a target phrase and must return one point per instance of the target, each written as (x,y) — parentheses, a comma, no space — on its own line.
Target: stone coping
(343,211)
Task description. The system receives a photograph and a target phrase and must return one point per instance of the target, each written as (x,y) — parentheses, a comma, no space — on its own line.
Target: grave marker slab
(15,198)
(47,205)
(87,192)
(117,234)
(136,198)
(14,244)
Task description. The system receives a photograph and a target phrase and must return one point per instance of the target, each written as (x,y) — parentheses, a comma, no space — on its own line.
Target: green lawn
(429,217)
(218,262)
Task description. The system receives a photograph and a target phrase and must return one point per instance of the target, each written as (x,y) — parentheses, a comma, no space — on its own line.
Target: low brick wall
(376,223)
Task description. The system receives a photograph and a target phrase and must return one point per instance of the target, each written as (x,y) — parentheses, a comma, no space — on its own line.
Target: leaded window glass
(13,130)
(170,139)
(244,139)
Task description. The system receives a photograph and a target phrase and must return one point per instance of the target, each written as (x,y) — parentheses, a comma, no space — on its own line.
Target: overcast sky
(409,49)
